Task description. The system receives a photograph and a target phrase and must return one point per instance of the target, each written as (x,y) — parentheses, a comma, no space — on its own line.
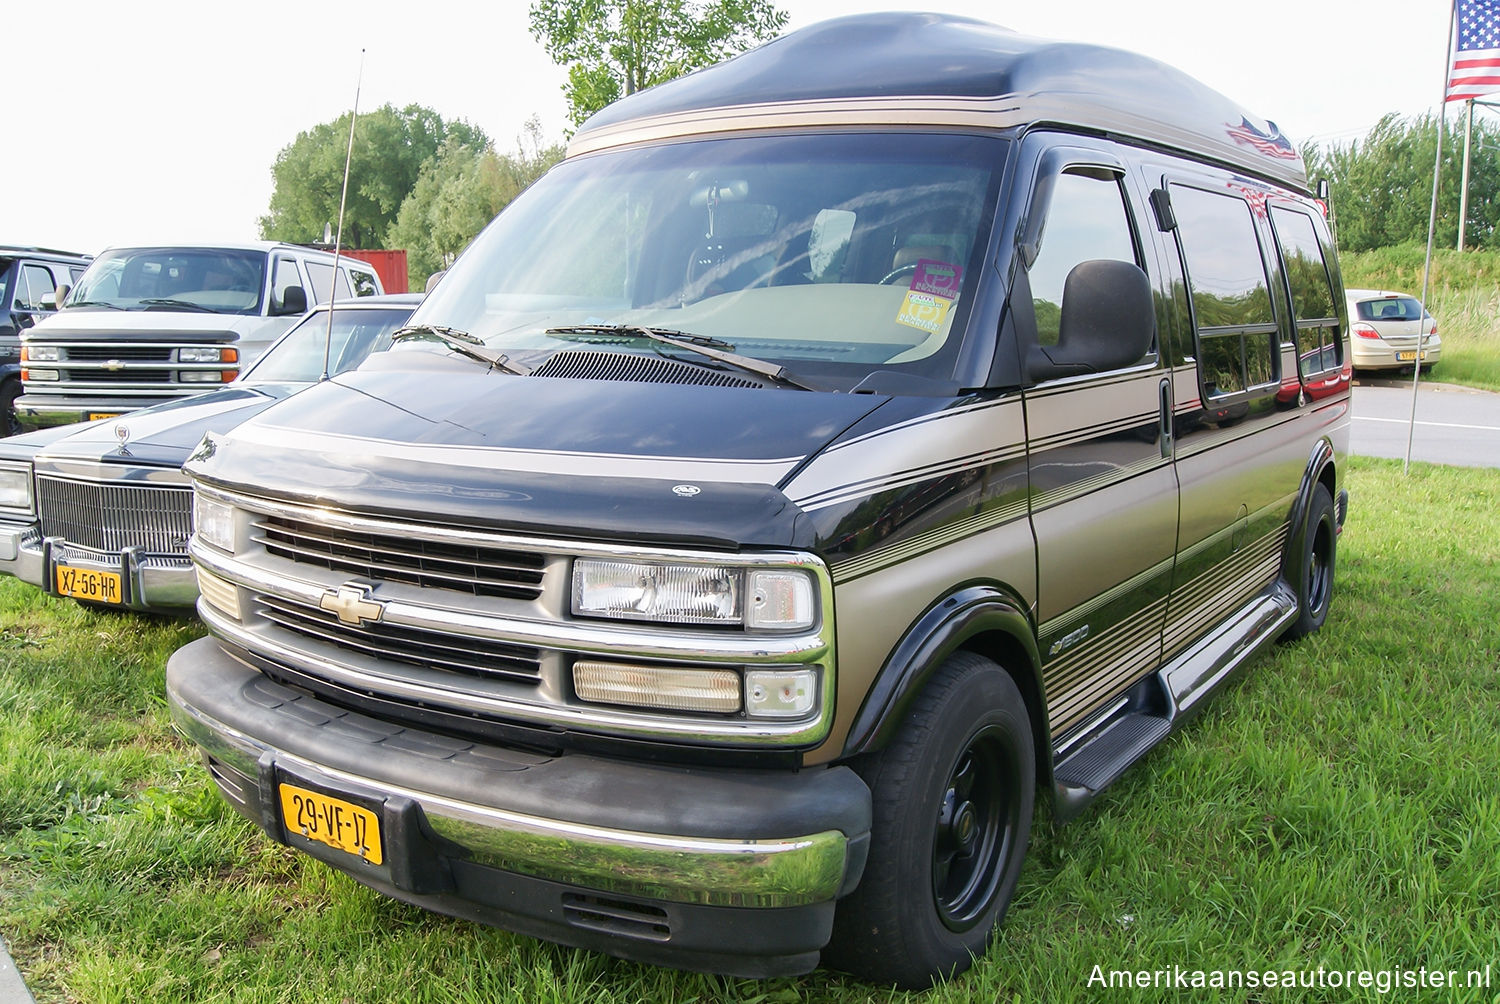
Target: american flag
(1271,144)
(1476,58)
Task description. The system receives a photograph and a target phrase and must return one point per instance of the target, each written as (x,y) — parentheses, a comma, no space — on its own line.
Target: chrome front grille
(481,657)
(111,517)
(471,568)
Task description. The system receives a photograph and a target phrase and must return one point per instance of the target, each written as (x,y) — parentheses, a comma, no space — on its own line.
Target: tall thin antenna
(338,241)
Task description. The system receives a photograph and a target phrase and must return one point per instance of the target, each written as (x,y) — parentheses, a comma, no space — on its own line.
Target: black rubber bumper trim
(734,804)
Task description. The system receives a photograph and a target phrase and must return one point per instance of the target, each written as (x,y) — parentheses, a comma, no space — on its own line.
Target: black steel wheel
(952,798)
(1313,570)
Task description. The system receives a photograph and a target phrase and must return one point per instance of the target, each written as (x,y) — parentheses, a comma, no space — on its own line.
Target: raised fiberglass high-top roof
(938,69)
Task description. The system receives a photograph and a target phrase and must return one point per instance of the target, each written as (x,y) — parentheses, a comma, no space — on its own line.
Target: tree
(617,47)
(390,148)
(458,192)
(1382,184)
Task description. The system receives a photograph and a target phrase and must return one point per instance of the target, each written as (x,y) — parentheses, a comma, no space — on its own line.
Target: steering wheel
(909,268)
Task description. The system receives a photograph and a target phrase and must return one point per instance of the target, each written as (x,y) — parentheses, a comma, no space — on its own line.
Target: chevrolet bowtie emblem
(352,604)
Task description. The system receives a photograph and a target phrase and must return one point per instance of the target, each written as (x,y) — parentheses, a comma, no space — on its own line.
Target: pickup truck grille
(480,657)
(112,517)
(131,353)
(118,376)
(469,568)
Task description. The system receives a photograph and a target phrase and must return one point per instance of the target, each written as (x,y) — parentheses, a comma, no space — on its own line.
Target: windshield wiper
(180,304)
(713,348)
(463,343)
(90,303)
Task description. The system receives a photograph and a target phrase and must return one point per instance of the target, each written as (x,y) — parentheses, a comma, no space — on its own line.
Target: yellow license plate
(331,821)
(1406,357)
(96,415)
(89,584)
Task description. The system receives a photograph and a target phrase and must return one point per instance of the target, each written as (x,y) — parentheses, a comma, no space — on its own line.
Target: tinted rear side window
(1237,340)
(1319,347)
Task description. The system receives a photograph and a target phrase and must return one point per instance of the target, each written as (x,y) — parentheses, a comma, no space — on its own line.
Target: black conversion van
(842,445)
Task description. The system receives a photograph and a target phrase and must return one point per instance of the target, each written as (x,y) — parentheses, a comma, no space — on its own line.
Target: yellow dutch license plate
(1406,357)
(94,416)
(90,584)
(331,821)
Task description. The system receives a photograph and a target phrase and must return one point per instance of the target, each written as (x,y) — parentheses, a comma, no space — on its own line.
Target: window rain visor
(832,255)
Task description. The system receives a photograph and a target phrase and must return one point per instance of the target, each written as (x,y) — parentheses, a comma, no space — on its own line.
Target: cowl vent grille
(590,365)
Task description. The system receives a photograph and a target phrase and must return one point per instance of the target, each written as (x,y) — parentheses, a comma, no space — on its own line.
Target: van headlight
(775,599)
(15,488)
(213,522)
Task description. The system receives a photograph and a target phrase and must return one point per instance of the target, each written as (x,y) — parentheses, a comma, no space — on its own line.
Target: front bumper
(44,411)
(151,582)
(720,870)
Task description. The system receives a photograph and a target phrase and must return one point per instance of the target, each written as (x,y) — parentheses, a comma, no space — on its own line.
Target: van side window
(36,283)
(1238,344)
(285,277)
(321,277)
(1318,342)
(1086,220)
(363,282)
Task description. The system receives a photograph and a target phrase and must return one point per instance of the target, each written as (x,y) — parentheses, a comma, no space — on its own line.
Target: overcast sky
(159,122)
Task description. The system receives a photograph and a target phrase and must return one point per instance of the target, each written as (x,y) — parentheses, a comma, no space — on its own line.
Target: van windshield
(831,255)
(215,280)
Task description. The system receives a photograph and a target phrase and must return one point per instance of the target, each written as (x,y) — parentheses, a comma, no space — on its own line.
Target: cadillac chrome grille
(112,517)
(440,650)
(470,568)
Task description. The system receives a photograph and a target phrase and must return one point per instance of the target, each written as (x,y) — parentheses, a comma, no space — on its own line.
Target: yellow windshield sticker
(919,310)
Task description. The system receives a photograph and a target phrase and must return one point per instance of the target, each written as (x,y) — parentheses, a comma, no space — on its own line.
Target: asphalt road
(1454,425)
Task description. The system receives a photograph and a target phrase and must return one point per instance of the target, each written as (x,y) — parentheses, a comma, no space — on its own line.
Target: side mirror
(293,301)
(433,280)
(1107,322)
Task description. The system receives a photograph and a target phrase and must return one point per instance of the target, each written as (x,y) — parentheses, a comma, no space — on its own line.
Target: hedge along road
(1455,425)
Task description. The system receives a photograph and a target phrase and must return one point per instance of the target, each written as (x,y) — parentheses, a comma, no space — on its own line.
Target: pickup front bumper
(722,870)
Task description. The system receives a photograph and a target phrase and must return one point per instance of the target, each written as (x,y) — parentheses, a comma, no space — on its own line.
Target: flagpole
(1416,365)
(1463,191)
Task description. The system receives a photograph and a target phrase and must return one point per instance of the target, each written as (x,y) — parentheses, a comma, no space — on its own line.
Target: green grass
(1337,806)
(1464,297)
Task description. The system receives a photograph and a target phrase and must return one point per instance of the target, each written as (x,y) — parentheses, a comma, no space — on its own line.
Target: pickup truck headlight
(763,598)
(15,488)
(207,354)
(40,354)
(213,522)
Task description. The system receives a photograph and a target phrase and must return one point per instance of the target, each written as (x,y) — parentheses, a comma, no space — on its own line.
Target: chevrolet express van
(842,445)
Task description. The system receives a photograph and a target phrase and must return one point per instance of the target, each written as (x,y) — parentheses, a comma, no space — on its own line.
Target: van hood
(163,436)
(593,459)
(77,323)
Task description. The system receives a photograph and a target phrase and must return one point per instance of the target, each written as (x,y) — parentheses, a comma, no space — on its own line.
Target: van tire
(952,799)
(10,425)
(1313,569)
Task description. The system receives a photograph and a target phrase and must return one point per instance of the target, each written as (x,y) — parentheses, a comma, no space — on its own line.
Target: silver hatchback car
(1387,327)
